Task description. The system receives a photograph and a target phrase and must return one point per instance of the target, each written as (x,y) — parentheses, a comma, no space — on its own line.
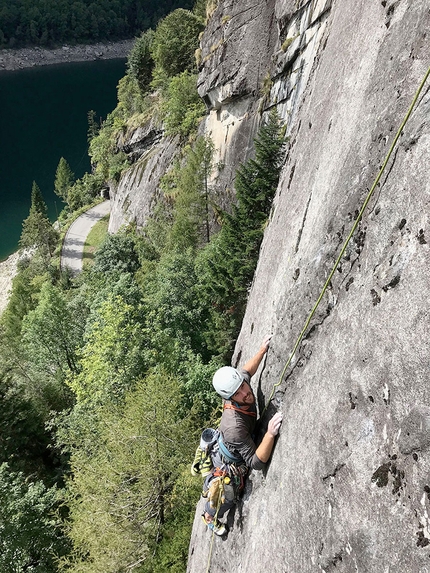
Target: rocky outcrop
(135,196)
(348,485)
(347,488)
(8,269)
(231,78)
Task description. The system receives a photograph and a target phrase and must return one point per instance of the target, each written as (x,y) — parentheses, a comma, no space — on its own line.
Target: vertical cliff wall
(236,35)
(348,486)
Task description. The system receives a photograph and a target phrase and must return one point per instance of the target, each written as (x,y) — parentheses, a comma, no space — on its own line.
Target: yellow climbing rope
(359,216)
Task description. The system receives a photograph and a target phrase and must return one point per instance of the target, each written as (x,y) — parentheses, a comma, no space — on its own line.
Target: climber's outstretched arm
(252,364)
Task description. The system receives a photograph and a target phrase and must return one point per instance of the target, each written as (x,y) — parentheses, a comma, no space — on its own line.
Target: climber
(236,446)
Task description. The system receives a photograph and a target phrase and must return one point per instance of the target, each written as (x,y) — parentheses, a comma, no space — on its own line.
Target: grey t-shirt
(237,428)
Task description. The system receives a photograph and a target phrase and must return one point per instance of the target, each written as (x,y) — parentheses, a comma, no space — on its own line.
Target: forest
(52,22)
(106,377)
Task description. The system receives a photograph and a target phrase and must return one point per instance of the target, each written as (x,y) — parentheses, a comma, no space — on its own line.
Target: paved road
(73,245)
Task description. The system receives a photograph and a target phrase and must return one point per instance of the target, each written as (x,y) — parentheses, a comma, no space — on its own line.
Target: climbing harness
(226,454)
(354,227)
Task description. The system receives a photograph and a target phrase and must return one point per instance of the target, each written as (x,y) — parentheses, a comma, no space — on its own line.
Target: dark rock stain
(303,225)
(399,476)
(334,472)
(239,357)
(376,299)
(422,539)
(393,283)
(421,238)
(330,563)
(359,241)
(382,474)
(293,168)
(353,404)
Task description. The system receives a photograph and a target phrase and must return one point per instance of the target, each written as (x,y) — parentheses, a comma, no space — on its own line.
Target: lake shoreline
(12,60)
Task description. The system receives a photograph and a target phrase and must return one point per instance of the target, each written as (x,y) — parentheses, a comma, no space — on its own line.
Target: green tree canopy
(189,186)
(37,230)
(113,356)
(52,333)
(31,537)
(140,62)
(175,41)
(38,204)
(117,254)
(48,22)
(120,498)
(226,267)
(64,179)
(183,107)
(24,440)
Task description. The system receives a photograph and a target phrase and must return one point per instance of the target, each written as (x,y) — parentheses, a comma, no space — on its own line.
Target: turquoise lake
(43,118)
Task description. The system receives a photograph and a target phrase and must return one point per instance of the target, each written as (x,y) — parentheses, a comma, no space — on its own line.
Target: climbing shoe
(216,526)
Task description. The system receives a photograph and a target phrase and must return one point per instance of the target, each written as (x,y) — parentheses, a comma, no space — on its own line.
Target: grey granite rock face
(236,49)
(348,486)
(236,62)
(137,192)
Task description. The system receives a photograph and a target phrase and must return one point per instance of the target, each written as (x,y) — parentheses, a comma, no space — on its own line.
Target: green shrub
(140,62)
(31,537)
(175,41)
(183,108)
(118,254)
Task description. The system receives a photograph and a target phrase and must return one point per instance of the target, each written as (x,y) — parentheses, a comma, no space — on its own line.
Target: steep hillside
(348,485)
(231,90)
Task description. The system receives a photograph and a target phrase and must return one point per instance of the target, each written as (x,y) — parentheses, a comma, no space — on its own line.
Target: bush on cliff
(175,41)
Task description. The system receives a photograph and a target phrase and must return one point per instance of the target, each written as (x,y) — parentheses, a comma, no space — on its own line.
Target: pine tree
(37,231)
(38,205)
(255,185)
(64,178)
(140,63)
(226,267)
(93,127)
(192,197)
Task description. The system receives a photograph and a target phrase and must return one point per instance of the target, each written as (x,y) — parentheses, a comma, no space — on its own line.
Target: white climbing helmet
(226,381)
